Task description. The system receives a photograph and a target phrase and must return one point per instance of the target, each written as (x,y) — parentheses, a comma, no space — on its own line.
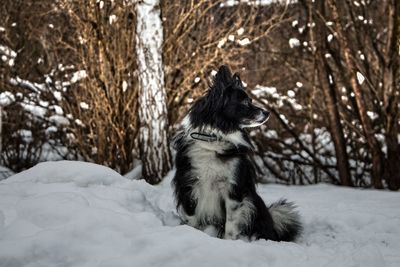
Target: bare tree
(328,70)
(347,61)
(29,45)
(153,115)
(351,74)
(328,87)
(202,35)
(391,96)
(102,107)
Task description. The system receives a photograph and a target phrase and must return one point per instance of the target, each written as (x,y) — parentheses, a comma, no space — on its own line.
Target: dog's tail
(286,219)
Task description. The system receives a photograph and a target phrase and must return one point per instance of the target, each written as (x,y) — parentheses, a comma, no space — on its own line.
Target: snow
(7,51)
(276,98)
(244,42)
(124,86)
(78,75)
(135,173)
(4,173)
(84,105)
(291,93)
(221,42)
(360,78)
(81,214)
(58,120)
(34,109)
(26,135)
(311,25)
(6,98)
(112,19)
(79,122)
(372,115)
(8,55)
(11,62)
(101,4)
(259,90)
(57,95)
(57,109)
(293,42)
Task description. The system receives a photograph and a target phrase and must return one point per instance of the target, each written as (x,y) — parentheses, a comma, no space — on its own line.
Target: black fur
(225,104)
(225,110)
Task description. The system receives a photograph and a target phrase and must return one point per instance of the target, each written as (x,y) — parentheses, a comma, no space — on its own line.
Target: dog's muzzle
(261,117)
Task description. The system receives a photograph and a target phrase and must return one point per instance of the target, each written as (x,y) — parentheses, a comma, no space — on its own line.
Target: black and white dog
(215,174)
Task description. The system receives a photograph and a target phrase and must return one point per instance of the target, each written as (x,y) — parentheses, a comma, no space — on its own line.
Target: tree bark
(1,135)
(336,129)
(390,99)
(153,116)
(330,97)
(351,72)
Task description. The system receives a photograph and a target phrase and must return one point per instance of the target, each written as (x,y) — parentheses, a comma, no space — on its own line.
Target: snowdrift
(80,214)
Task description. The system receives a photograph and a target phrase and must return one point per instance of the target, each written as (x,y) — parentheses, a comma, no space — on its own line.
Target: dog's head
(226,106)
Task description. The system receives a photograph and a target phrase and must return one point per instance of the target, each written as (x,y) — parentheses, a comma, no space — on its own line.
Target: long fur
(215,180)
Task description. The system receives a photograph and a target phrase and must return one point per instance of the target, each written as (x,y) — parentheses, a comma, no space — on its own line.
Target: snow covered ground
(81,214)
(5,172)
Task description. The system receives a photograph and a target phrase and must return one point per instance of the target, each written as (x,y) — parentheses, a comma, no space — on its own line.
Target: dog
(215,179)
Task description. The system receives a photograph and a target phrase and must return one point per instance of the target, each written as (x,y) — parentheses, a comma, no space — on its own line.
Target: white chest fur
(214,178)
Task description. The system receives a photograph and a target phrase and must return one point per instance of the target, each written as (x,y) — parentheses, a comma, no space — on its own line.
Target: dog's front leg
(238,217)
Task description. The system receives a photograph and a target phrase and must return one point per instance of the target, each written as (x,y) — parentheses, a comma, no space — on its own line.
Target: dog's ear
(223,78)
(238,81)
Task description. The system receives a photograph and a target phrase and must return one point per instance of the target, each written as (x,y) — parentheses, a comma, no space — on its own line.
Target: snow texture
(360,78)
(5,172)
(81,214)
(244,42)
(293,42)
(6,98)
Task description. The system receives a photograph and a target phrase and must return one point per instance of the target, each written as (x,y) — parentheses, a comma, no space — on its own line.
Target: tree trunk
(351,72)
(336,129)
(390,99)
(153,139)
(331,101)
(393,159)
(1,135)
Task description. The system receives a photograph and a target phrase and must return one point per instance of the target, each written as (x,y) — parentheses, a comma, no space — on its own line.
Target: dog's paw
(232,235)
(211,230)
